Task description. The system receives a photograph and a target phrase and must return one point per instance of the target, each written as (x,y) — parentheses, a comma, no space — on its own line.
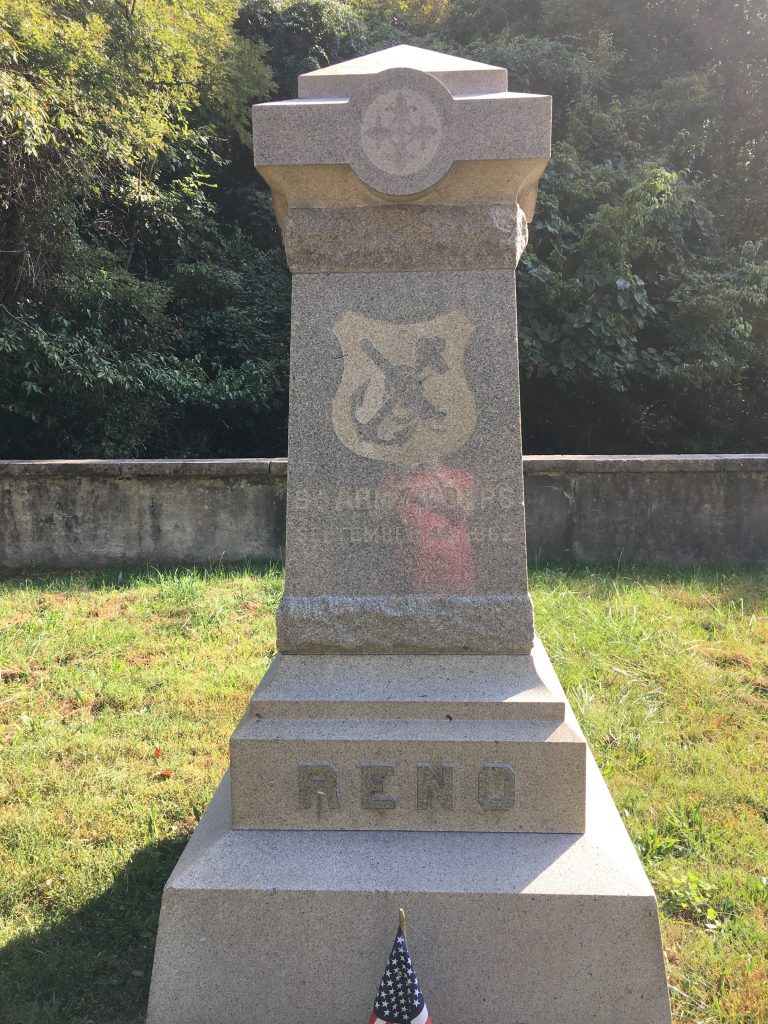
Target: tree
(114,120)
(143,294)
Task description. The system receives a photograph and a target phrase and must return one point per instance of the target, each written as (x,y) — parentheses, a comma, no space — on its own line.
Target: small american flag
(399,999)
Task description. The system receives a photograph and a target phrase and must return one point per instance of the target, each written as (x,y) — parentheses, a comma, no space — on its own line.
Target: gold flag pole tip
(402,920)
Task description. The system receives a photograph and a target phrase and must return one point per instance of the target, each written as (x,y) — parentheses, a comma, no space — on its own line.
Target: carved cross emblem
(401,131)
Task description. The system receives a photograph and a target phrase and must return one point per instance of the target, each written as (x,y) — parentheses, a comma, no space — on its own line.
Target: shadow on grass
(93,966)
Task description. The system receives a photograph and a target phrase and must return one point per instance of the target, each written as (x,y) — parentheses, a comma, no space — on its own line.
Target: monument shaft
(405,527)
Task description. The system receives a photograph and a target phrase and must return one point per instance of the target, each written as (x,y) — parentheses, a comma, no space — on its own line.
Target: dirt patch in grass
(726,658)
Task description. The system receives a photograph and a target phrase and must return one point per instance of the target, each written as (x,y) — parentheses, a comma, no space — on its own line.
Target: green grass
(119,693)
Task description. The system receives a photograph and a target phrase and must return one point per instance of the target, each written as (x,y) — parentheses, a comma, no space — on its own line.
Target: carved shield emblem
(404,396)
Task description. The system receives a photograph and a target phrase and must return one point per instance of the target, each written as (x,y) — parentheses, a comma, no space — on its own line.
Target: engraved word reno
(403,396)
(318,786)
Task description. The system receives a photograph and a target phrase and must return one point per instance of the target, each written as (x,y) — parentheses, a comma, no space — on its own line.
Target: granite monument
(410,744)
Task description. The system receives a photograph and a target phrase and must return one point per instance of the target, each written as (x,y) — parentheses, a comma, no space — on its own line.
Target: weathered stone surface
(288,927)
(692,509)
(131,469)
(437,515)
(460,77)
(415,624)
(467,183)
(272,762)
(504,126)
(86,514)
(401,130)
(477,237)
(430,686)
(317,724)
(404,382)
(669,509)
(406,537)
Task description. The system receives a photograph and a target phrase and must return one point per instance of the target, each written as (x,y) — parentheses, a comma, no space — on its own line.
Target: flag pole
(402,921)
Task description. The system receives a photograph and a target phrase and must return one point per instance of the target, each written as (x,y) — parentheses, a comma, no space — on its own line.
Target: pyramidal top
(461,77)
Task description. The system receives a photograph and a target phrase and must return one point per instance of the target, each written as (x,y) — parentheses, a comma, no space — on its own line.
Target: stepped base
(449,743)
(284,927)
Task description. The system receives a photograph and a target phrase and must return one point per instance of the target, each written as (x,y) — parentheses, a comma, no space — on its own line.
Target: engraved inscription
(467,495)
(496,787)
(434,785)
(401,131)
(373,785)
(403,396)
(442,506)
(318,784)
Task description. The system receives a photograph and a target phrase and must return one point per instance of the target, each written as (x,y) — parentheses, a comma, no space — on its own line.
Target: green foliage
(689,897)
(143,301)
(129,365)
(680,832)
(628,290)
(116,119)
(643,291)
(303,35)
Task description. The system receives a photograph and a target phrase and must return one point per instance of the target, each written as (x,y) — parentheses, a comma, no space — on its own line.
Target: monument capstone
(410,743)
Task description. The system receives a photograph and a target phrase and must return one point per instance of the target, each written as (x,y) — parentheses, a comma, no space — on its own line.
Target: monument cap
(461,77)
(400,119)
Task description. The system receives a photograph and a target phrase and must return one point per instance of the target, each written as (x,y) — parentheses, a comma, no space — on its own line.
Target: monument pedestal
(427,742)
(287,924)
(284,927)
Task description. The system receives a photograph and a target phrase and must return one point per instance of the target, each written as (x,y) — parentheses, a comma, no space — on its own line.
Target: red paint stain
(435,505)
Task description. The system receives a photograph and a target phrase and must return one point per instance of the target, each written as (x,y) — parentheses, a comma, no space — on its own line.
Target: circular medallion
(402,114)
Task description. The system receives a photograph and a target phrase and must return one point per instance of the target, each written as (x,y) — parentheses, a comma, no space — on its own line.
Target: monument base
(282,927)
(472,719)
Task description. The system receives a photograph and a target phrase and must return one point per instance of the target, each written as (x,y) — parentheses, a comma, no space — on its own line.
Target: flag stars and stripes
(399,999)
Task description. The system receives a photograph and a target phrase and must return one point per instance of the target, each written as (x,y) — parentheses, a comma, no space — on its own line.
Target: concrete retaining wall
(85,514)
(676,509)
(89,514)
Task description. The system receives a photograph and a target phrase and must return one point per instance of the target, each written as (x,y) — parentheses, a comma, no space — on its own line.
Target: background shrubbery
(144,300)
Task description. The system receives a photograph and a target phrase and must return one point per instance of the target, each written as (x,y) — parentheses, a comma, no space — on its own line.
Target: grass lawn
(119,693)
